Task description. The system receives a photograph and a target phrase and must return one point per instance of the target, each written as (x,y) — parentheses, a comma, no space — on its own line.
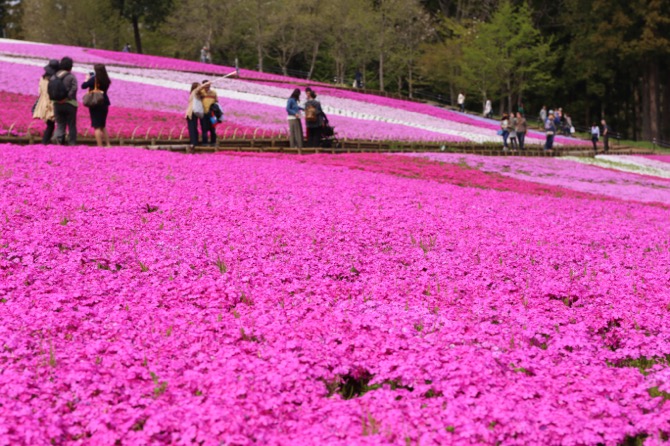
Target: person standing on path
(487,109)
(521,129)
(461,101)
(209,98)
(595,136)
(294,125)
(314,119)
(550,129)
(99,80)
(504,129)
(511,129)
(543,115)
(606,136)
(194,112)
(44,108)
(65,110)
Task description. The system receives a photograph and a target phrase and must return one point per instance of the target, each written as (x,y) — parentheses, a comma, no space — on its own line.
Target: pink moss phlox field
(566,174)
(158,83)
(157,298)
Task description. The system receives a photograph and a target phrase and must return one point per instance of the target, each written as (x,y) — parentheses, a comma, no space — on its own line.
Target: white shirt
(461,99)
(595,131)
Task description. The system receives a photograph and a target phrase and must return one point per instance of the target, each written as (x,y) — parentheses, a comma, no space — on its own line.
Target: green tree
(507,55)
(89,23)
(10,19)
(150,13)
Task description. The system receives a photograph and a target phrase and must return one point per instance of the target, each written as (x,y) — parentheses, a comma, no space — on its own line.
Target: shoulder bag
(94,97)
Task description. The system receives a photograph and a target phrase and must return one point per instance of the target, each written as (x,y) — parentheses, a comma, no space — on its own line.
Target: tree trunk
(381,71)
(650,109)
(653,100)
(637,124)
(665,113)
(136,32)
(259,50)
(410,81)
(315,53)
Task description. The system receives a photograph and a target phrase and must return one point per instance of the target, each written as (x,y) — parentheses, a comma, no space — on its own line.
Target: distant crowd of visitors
(57,106)
(513,126)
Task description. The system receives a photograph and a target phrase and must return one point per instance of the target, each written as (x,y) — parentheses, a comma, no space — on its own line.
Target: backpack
(311,113)
(56,88)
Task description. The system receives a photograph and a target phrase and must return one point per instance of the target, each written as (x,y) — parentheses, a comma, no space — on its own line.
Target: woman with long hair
(195,112)
(99,80)
(294,124)
(44,108)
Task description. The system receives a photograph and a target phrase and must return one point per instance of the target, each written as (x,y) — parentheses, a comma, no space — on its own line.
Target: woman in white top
(595,136)
(194,112)
(487,109)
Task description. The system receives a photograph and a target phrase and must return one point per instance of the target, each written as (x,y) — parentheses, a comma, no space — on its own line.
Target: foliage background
(594,58)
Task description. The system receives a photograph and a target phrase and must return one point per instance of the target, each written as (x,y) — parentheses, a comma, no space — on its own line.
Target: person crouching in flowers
(194,112)
(294,124)
(44,108)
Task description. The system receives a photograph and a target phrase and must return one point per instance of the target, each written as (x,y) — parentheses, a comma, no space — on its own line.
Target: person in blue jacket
(294,123)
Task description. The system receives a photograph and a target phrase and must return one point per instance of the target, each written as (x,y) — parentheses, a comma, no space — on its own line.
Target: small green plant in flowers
(159,386)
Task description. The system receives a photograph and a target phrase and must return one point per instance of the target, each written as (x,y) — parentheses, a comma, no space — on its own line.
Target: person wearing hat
(43,108)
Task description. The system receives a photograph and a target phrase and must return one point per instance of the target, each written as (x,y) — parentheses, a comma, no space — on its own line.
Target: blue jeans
(522,139)
(505,135)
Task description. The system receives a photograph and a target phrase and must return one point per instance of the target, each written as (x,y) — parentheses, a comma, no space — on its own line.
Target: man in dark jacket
(65,111)
(606,135)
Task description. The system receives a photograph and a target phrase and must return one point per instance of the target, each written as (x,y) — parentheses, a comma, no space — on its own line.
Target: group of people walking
(315,119)
(57,104)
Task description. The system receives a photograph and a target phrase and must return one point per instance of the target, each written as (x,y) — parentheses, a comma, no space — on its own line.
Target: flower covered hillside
(156,298)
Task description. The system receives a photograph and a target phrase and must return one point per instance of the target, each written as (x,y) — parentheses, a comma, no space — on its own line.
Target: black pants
(606,143)
(313,136)
(522,139)
(48,132)
(207,130)
(594,140)
(192,130)
(549,144)
(66,116)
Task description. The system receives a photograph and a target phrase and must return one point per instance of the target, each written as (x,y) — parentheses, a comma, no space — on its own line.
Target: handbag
(93,97)
(198,108)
